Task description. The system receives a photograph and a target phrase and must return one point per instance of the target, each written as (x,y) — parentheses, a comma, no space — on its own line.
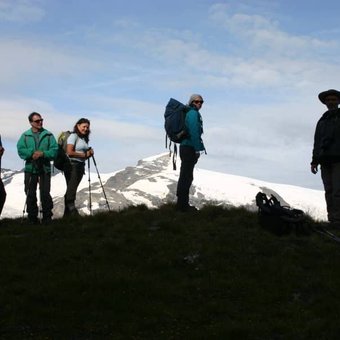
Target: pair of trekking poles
(100,181)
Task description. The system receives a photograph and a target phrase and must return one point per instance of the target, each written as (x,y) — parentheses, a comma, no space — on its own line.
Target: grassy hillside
(159,274)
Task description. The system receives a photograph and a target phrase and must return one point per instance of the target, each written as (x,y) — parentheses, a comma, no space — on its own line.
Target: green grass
(160,274)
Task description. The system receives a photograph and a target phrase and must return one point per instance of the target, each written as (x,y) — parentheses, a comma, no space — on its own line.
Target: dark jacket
(327,138)
(27,146)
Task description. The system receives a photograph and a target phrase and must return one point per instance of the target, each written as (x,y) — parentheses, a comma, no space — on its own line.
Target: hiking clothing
(73,175)
(31,183)
(74,172)
(80,145)
(38,171)
(326,148)
(2,195)
(194,125)
(326,151)
(189,152)
(188,160)
(330,175)
(30,142)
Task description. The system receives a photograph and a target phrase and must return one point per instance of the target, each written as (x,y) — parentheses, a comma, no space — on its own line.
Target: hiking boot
(70,210)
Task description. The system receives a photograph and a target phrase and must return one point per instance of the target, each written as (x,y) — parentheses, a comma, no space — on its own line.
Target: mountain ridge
(153,182)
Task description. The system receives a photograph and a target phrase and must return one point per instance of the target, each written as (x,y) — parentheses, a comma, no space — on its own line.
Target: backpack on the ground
(176,132)
(62,159)
(278,218)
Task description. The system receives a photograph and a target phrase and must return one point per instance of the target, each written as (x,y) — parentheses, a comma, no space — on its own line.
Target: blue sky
(258,64)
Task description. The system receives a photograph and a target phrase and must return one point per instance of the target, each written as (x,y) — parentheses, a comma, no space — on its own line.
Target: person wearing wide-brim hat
(326,153)
(323,95)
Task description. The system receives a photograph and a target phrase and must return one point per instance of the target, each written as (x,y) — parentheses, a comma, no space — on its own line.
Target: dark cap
(323,95)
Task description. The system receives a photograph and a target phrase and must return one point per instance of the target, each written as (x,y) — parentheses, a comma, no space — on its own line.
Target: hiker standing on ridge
(38,148)
(78,151)
(326,152)
(190,150)
(2,187)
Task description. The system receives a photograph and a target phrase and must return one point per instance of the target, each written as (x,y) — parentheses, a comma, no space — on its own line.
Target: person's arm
(70,151)
(316,149)
(194,127)
(25,151)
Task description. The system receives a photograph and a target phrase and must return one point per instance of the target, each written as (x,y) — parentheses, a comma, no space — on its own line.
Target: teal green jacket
(194,126)
(27,145)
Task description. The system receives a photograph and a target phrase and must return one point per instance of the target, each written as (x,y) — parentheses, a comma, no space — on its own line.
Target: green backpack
(62,159)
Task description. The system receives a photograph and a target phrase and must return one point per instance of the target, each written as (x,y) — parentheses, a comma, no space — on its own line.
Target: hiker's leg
(67,174)
(31,181)
(188,161)
(336,192)
(326,175)
(45,196)
(76,175)
(2,195)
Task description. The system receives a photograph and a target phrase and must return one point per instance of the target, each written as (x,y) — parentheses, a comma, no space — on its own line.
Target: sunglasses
(198,101)
(37,121)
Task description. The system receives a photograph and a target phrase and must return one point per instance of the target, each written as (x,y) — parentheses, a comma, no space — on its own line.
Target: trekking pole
(327,233)
(27,193)
(90,200)
(40,200)
(100,181)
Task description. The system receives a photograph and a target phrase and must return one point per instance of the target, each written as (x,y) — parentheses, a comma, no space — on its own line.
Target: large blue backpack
(176,131)
(174,124)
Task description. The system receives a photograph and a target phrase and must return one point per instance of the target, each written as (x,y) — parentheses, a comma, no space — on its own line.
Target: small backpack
(62,159)
(276,217)
(176,132)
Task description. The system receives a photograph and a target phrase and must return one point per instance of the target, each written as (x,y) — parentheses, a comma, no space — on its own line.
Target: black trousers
(31,183)
(73,176)
(2,196)
(189,159)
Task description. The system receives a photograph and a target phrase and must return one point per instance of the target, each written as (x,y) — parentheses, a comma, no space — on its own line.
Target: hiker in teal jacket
(189,151)
(326,152)
(38,148)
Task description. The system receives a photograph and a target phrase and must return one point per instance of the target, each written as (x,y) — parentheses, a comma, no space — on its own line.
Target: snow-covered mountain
(153,182)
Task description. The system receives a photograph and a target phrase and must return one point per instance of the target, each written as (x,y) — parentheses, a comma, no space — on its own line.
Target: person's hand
(89,153)
(314,168)
(2,150)
(198,154)
(37,154)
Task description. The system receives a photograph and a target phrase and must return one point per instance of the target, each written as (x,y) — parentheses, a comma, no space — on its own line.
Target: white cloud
(265,34)
(33,61)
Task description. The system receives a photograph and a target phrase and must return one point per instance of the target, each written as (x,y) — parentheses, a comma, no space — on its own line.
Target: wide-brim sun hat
(322,96)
